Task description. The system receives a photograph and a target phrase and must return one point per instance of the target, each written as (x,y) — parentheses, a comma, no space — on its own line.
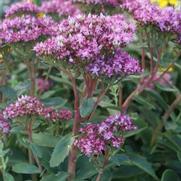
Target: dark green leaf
(44,139)
(8,177)
(55,102)
(25,168)
(86,107)
(62,176)
(169,175)
(8,92)
(61,150)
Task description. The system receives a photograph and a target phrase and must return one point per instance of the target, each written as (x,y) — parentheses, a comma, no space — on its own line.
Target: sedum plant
(96,107)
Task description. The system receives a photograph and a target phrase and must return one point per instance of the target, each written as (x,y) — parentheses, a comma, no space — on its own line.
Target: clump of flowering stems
(102,138)
(32,106)
(92,45)
(28,107)
(59,7)
(167,23)
(4,125)
(167,19)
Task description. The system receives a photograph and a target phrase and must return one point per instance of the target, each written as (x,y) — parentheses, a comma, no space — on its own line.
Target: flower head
(120,64)
(32,106)
(22,8)
(108,2)
(167,19)
(26,28)
(4,125)
(43,84)
(95,138)
(93,42)
(60,7)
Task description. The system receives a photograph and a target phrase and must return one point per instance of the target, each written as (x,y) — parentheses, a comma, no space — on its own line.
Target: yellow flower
(1,58)
(40,15)
(173,2)
(164,3)
(162,69)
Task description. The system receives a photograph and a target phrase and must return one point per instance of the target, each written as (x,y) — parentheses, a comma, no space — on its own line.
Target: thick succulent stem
(75,130)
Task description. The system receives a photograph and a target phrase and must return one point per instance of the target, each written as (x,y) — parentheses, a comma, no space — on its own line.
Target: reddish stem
(75,130)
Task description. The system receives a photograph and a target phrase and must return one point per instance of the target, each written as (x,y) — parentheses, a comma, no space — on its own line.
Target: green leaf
(134,160)
(179,156)
(135,132)
(144,102)
(61,150)
(23,87)
(143,164)
(85,169)
(166,89)
(120,159)
(126,171)
(62,176)
(8,177)
(8,92)
(44,139)
(86,107)
(169,175)
(55,102)
(48,94)
(25,168)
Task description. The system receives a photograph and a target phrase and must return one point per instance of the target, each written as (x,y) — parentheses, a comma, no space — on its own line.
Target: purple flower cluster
(65,114)
(85,37)
(93,40)
(4,125)
(26,28)
(164,80)
(95,138)
(166,19)
(31,106)
(43,84)
(60,7)
(21,8)
(109,2)
(120,64)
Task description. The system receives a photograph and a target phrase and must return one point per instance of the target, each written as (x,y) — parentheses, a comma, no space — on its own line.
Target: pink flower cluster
(21,8)
(26,28)
(60,7)
(43,84)
(27,106)
(120,64)
(4,125)
(95,138)
(164,80)
(93,39)
(109,2)
(85,37)
(166,19)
